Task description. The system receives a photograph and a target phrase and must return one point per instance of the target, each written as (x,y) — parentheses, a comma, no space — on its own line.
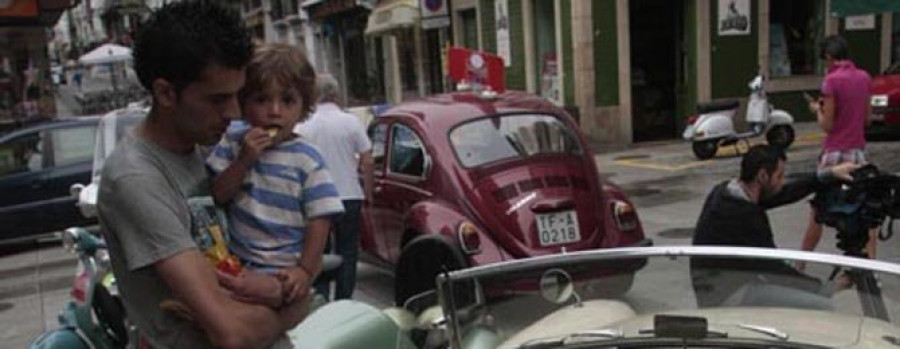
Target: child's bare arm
(296,281)
(227,184)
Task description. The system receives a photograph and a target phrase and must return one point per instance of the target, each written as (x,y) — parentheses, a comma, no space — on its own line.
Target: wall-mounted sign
(864,22)
(501,23)
(734,17)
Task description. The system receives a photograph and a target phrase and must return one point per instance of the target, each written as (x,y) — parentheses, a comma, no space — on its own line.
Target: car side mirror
(75,190)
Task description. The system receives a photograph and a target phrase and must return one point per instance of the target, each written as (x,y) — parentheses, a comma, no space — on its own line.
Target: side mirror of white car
(75,190)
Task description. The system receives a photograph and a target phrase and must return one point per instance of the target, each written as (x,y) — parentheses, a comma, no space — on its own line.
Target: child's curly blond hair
(286,67)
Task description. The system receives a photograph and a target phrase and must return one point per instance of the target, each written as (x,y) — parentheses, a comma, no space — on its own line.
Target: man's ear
(164,93)
(762,176)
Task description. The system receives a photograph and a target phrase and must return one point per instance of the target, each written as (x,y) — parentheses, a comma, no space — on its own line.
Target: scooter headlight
(879,101)
(70,239)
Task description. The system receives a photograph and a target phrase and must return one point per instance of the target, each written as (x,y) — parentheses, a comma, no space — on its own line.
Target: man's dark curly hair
(181,39)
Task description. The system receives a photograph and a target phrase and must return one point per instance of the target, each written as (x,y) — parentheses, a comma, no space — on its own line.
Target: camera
(854,208)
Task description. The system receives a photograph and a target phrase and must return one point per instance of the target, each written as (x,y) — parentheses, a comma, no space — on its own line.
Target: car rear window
(510,136)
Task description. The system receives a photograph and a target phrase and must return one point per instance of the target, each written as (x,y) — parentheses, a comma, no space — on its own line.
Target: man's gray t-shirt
(145,219)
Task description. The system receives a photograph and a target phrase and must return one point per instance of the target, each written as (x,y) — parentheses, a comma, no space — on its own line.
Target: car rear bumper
(886,110)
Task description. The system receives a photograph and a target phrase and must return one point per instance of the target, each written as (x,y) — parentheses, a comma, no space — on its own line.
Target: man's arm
(804,184)
(825,115)
(367,167)
(228,323)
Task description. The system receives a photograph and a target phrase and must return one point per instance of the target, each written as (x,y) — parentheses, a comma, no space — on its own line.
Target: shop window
(469,21)
(545,49)
(895,40)
(796,28)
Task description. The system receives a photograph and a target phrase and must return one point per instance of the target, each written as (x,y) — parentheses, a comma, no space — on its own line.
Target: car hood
(802,326)
(511,202)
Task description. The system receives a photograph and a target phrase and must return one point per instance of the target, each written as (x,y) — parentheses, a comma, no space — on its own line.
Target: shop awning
(392,15)
(844,8)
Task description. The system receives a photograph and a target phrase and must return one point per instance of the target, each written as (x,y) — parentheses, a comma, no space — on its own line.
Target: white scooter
(713,126)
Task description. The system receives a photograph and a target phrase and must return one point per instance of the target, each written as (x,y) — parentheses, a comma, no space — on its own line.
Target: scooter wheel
(705,149)
(780,136)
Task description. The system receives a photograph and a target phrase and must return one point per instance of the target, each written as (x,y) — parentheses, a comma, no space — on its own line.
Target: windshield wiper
(774,332)
(577,337)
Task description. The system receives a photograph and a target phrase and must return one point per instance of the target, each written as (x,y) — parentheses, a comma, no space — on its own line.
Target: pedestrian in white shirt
(347,151)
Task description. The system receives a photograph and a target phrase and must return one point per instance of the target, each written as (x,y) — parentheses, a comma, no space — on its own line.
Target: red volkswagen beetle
(463,180)
(886,97)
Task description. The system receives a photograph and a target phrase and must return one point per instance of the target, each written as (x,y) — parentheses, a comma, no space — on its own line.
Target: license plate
(558,228)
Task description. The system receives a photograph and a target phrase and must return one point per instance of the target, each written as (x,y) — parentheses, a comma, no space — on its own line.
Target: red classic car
(886,97)
(463,180)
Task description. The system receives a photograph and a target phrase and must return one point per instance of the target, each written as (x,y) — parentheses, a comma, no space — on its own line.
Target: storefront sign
(734,17)
(864,22)
(501,18)
(434,13)
(18,8)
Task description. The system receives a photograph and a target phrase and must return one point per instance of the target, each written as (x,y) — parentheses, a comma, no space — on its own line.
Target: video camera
(854,208)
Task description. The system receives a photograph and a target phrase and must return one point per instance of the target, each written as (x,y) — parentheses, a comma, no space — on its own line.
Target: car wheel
(705,149)
(780,136)
(421,261)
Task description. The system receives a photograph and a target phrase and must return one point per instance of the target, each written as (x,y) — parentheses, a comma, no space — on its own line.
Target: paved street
(666,183)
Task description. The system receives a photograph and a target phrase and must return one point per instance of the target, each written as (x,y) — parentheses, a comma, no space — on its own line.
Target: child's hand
(295,283)
(254,143)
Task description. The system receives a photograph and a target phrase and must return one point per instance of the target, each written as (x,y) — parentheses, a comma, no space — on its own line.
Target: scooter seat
(715,106)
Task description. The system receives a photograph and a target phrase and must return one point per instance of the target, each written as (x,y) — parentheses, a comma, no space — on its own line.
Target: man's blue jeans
(345,242)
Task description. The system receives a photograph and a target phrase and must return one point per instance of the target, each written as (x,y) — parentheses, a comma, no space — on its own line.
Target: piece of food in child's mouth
(272,131)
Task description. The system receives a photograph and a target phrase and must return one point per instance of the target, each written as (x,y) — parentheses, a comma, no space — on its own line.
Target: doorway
(657,53)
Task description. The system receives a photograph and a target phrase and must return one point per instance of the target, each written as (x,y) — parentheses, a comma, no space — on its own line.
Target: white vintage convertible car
(682,297)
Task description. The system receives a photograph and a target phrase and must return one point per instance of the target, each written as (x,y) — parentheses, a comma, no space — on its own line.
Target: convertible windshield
(511,136)
(707,300)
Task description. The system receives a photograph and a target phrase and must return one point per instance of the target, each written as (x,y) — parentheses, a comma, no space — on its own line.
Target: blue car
(38,166)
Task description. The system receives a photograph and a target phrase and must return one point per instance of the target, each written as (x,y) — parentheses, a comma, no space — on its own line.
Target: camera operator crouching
(734,214)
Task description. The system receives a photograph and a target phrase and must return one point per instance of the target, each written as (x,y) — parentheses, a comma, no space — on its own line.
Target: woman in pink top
(843,113)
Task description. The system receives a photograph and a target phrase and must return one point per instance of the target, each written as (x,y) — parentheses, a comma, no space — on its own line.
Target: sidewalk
(642,162)
(67,95)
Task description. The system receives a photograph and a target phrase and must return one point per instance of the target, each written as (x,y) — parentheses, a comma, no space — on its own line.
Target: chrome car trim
(774,332)
(673,252)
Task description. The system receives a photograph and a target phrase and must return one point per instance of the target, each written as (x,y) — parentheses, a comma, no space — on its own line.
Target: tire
(781,136)
(421,261)
(705,149)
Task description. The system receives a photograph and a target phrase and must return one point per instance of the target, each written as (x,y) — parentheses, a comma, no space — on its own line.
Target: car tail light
(469,238)
(693,119)
(625,215)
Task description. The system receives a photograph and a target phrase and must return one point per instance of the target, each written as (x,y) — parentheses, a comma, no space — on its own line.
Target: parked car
(886,98)
(113,126)
(38,165)
(463,180)
(759,309)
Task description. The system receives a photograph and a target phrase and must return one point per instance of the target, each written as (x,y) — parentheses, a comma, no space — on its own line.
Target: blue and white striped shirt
(288,186)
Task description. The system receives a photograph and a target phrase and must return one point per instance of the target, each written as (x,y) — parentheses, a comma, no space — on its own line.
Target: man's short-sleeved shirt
(145,219)
(851,89)
(287,187)
(341,137)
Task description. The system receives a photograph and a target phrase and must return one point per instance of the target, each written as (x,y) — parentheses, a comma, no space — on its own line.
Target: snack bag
(208,230)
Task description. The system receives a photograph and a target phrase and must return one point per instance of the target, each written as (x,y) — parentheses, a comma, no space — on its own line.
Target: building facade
(635,70)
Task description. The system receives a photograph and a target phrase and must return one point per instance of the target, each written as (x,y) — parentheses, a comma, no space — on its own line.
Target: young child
(278,193)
